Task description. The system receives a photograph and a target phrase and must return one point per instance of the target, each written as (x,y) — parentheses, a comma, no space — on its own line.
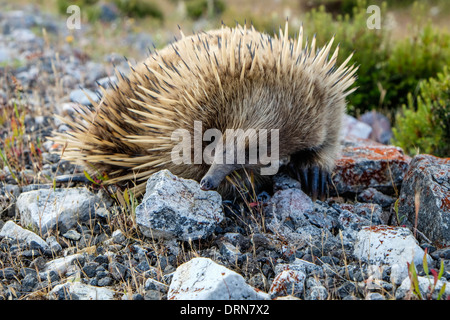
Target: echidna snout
(215,175)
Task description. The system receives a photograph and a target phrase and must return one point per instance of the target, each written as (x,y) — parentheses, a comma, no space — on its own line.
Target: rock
(5,55)
(108,11)
(79,291)
(61,265)
(177,208)
(13,231)
(389,246)
(118,236)
(299,265)
(372,195)
(364,164)
(29,282)
(66,108)
(426,188)
(49,209)
(96,71)
(287,209)
(7,273)
(140,41)
(355,128)
(230,252)
(54,245)
(374,296)
(288,282)
(359,214)
(425,286)
(203,279)
(90,268)
(152,284)
(317,293)
(117,270)
(81,96)
(107,82)
(282,181)
(72,235)
(26,36)
(380,124)
(17,19)
(315,290)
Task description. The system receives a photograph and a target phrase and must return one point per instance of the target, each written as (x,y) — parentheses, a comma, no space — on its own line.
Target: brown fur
(228,78)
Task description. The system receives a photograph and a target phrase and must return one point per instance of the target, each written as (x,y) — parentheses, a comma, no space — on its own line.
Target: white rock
(79,291)
(203,279)
(81,96)
(177,208)
(298,265)
(354,128)
(386,245)
(47,209)
(13,231)
(389,246)
(61,265)
(317,293)
(398,273)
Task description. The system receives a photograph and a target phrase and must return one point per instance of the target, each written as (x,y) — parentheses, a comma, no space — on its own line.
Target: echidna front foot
(313,179)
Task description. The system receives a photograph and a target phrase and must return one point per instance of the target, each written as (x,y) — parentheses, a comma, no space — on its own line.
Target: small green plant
(433,277)
(97,180)
(18,150)
(423,126)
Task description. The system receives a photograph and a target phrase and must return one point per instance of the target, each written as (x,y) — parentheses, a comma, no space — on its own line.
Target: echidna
(231,78)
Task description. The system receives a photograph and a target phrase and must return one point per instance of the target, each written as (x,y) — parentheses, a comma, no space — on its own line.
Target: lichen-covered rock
(177,208)
(288,282)
(426,188)
(367,164)
(203,279)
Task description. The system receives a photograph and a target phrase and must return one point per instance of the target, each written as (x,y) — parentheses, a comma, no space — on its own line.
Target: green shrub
(197,8)
(423,126)
(90,9)
(139,8)
(412,60)
(333,6)
(388,69)
(370,47)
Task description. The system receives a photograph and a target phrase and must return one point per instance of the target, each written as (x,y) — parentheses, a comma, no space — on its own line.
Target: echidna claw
(314,181)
